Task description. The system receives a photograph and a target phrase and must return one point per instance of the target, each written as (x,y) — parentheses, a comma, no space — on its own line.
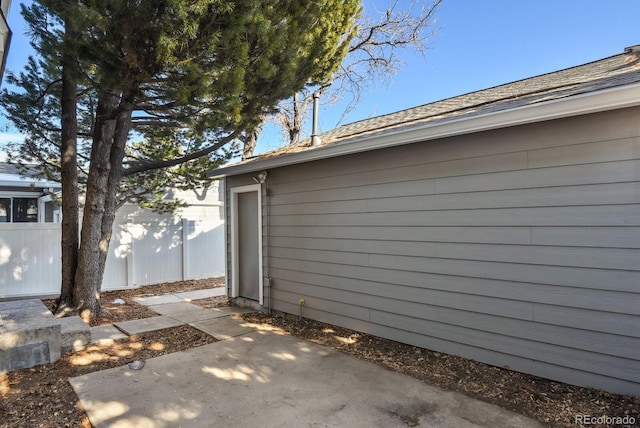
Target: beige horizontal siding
(425,200)
(385,297)
(517,247)
(570,296)
(497,167)
(599,258)
(570,175)
(616,237)
(614,215)
(511,235)
(601,151)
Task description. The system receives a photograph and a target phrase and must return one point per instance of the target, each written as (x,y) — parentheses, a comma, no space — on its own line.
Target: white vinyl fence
(140,254)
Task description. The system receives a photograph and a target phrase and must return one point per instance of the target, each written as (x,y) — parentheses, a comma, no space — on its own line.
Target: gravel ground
(42,396)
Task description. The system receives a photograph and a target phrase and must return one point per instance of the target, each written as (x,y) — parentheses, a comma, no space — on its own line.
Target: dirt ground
(42,396)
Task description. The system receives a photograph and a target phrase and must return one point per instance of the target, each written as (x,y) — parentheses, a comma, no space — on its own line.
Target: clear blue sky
(479,44)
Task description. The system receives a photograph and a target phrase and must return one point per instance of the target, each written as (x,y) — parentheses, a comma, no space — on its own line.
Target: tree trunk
(113,122)
(249,141)
(295,124)
(69,172)
(123,126)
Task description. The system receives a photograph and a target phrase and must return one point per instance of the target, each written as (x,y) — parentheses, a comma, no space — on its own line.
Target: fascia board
(19,194)
(30,184)
(10,183)
(593,102)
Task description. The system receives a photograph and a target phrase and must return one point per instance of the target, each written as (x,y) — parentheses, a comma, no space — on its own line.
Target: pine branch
(45,91)
(149,165)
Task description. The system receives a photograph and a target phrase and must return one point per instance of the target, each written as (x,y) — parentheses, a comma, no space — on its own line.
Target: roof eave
(593,102)
(31,184)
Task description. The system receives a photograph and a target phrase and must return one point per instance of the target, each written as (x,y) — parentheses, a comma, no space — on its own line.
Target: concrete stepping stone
(202,294)
(106,334)
(186,296)
(231,310)
(195,315)
(174,308)
(183,311)
(158,300)
(76,334)
(224,327)
(145,325)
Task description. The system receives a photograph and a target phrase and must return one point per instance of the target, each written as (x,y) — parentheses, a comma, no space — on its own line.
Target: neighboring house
(26,200)
(146,247)
(502,225)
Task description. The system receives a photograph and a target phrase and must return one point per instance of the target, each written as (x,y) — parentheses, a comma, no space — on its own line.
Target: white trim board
(235,286)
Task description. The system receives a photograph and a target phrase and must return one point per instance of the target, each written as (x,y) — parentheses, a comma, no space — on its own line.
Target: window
(25,210)
(18,210)
(50,212)
(5,210)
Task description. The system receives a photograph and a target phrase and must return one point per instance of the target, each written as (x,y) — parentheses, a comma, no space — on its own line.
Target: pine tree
(133,95)
(372,59)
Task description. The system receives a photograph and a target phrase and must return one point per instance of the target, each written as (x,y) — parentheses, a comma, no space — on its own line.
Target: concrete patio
(260,378)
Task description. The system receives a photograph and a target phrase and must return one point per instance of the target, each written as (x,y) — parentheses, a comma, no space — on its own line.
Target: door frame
(235,267)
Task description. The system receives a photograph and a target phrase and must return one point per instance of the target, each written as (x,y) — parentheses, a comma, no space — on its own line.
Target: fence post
(185,249)
(130,272)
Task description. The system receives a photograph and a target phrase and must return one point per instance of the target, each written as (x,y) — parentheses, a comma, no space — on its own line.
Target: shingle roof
(12,175)
(606,73)
(7,168)
(615,71)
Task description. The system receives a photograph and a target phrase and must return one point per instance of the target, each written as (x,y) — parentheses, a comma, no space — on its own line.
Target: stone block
(27,356)
(30,335)
(76,334)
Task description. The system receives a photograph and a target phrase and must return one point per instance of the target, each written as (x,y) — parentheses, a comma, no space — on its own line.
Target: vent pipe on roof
(315,139)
